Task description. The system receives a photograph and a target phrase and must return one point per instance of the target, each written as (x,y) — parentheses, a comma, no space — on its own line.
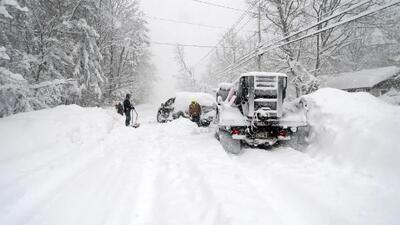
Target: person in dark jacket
(127,109)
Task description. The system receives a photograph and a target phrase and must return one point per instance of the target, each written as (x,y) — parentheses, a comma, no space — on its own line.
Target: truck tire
(228,143)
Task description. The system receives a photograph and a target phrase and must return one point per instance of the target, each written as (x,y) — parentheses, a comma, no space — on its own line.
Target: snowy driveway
(75,166)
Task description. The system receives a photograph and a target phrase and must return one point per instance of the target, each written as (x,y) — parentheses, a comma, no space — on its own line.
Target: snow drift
(355,130)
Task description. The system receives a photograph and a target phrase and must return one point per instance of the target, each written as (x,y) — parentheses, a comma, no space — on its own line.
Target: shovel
(135,124)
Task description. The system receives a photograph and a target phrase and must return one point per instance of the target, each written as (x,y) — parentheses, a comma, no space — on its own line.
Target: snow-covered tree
(186,74)
(75,51)
(87,60)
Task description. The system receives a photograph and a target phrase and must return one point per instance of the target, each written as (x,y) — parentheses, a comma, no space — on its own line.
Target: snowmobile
(252,112)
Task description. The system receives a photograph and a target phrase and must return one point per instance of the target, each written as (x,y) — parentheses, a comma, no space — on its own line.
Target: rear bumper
(260,141)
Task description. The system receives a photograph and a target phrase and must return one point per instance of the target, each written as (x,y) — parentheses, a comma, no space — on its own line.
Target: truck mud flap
(229,144)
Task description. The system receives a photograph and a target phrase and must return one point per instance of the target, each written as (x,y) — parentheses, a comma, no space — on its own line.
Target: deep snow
(356,130)
(72,165)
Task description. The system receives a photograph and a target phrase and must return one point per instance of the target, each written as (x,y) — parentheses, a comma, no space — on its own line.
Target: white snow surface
(72,165)
(356,130)
(359,79)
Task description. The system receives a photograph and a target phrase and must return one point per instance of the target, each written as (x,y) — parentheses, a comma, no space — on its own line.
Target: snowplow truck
(252,112)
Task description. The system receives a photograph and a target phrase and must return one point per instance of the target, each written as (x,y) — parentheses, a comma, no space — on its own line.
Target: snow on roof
(225,85)
(264,74)
(183,99)
(359,79)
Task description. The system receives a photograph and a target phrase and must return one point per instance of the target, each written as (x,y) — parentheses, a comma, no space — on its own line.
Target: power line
(242,16)
(262,50)
(348,20)
(189,23)
(185,45)
(212,50)
(223,6)
(316,24)
(244,25)
(259,50)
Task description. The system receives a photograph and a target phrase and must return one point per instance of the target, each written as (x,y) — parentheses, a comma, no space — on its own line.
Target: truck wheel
(228,143)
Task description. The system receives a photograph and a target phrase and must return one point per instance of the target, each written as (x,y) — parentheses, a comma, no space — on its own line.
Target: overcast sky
(189,11)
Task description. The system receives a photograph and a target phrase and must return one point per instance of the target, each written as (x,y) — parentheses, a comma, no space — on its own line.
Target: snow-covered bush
(56,92)
(17,95)
(3,54)
(14,93)
(3,7)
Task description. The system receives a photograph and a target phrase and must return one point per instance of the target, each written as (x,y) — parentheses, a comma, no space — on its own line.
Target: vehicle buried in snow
(178,106)
(252,112)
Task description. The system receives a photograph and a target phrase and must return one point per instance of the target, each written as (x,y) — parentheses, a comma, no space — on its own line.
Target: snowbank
(55,128)
(355,130)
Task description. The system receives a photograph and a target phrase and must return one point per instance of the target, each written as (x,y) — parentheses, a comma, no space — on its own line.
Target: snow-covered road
(76,166)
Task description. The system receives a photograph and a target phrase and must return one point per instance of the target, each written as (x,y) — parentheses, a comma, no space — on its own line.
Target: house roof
(359,79)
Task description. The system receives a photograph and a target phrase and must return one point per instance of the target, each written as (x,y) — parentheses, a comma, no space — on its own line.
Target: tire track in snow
(234,194)
(201,194)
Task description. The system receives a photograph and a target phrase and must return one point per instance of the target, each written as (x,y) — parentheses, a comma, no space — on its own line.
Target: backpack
(120,108)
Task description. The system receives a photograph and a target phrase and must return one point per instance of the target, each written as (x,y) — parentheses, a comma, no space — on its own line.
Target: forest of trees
(372,41)
(85,52)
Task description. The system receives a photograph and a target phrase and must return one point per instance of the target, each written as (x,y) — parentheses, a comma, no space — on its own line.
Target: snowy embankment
(71,165)
(356,130)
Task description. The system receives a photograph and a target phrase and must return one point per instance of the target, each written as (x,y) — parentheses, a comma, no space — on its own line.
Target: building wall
(357,90)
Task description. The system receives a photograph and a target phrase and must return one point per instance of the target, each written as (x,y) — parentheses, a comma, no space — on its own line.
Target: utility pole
(259,56)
